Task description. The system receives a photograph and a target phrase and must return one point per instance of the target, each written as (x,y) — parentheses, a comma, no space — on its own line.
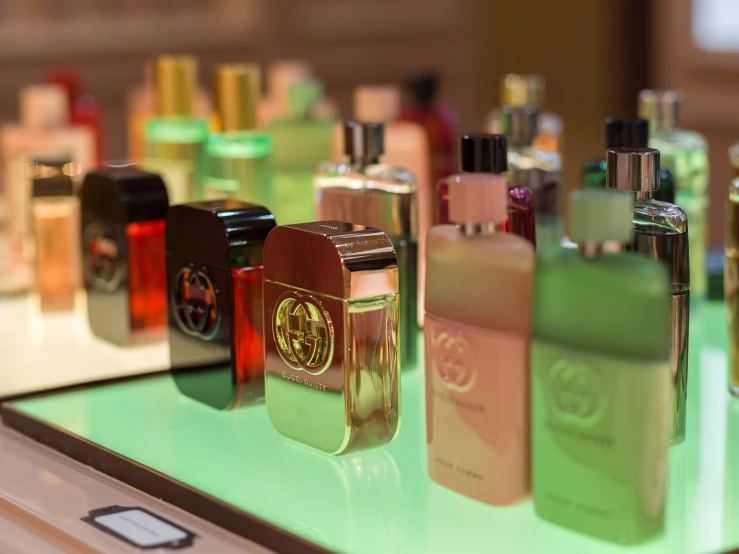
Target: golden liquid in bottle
(731,284)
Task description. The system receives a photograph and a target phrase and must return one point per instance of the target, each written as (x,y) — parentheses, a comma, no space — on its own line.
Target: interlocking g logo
(196,303)
(577,392)
(303,332)
(102,257)
(454,361)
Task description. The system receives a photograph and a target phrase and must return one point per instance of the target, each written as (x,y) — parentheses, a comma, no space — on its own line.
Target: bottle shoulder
(383,177)
(659,218)
(678,139)
(528,157)
(239,144)
(443,237)
(177,129)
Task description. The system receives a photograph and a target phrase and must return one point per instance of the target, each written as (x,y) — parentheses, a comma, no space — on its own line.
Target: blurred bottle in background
(175,138)
(731,283)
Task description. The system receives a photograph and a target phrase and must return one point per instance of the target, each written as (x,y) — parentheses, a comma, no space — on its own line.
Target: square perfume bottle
(214,287)
(123,211)
(331,335)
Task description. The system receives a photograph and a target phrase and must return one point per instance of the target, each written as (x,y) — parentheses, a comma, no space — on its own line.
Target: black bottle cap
(423,86)
(52,176)
(364,142)
(483,153)
(123,195)
(627,132)
(218,233)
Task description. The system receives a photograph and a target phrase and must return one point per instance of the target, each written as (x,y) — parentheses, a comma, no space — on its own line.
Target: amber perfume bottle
(731,283)
(488,154)
(477,327)
(379,195)
(123,211)
(214,286)
(660,232)
(331,335)
(56,224)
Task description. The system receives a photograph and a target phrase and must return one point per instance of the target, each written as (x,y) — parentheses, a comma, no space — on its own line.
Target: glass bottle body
(731,283)
(239,165)
(594,176)
(600,394)
(174,149)
(477,329)
(147,287)
(550,125)
(248,337)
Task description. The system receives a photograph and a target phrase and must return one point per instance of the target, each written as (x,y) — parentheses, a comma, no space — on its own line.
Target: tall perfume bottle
(731,283)
(483,154)
(661,232)
(536,169)
(302,141)
(239,158)
(331,335)
(175,138)
(627,132)
(380,195)
(438,119)
(214,283)
(477,328)
(123,211)
(685,153)
(56,224)
(600,378)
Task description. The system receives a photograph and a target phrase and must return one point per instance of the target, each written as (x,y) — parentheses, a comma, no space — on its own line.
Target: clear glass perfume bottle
(331,335)
(661,232)
(600,378)
(239,161)
(731,283)
(484,153)
(302,141)
(536,169)
(367,192)
(685,153)
(626,132)
(477,328)
(175,138)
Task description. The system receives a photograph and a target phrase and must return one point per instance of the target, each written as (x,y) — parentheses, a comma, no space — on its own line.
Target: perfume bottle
(477,415)
(302,141)
(175,138)
(214,282)
(734,159)
(483,154)
(438,119)
(660,232)
(56,224)
(685,153)
(627,133)
(600,378)
(123,211)
(536,169)
(731,283)
(239,158)
(379,195)
(331,335)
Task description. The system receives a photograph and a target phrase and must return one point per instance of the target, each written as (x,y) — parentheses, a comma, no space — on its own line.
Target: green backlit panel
(382,500)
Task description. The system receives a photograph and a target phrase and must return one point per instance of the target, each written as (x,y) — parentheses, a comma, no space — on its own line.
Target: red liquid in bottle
(247,332)
(146,276)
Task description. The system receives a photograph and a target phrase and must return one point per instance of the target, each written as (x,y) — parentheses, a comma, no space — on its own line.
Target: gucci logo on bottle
(454,361)
(103,265)
(577,392)
(196,303)
(303,332)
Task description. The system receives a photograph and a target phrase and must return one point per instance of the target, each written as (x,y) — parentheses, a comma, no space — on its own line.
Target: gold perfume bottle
(331,335)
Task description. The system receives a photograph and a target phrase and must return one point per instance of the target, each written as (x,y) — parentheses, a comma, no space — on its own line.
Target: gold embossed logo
(577,392)
(196,303)
(303,332)
(454,361)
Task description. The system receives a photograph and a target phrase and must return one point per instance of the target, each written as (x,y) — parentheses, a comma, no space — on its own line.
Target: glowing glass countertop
(383,500)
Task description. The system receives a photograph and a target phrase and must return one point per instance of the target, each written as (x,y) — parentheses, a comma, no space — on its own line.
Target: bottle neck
(643,195)
(363,161)
(477,229)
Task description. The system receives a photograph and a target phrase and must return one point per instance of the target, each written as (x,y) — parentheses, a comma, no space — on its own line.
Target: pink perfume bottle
(477,328)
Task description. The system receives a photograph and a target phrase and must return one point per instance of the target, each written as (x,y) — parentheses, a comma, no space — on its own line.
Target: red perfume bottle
(485,153)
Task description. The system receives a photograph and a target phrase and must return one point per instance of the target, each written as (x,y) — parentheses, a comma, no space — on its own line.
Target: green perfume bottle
(627,132)
(302,142)
(600,378)
(238,159)
(175,139)
(685,153)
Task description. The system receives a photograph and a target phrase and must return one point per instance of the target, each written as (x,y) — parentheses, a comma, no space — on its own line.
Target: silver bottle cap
(632,169)
(519,124)
(363,142)
(661,108)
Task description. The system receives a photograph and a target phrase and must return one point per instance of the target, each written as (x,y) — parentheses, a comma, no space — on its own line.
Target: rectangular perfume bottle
(477,329)
(214,253)
(175,138)
(123,211)
(600,379)
(331,335)
(731,283)
(239,162)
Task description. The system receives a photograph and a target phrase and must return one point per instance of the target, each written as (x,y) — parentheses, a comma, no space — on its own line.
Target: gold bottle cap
(661,108)
(176,78)
(237,96)
(523,90)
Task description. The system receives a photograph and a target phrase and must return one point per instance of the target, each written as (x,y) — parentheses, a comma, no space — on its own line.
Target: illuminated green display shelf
(383,500)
